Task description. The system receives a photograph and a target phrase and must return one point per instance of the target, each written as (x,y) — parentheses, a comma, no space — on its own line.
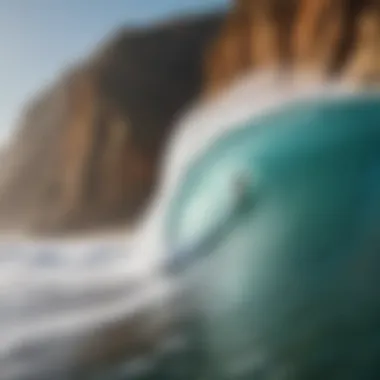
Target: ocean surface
(53,293)
(57,294)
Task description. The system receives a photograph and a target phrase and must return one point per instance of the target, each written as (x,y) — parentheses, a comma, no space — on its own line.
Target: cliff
(85,154)
(324,38)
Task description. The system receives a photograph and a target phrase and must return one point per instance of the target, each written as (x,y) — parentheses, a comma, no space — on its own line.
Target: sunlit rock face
(327,38)
(86,151)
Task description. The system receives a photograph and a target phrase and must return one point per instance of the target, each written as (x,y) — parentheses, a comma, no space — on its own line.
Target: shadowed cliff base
(86,152)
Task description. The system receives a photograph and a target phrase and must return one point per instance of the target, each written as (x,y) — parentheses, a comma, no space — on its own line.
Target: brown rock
(87,150)
(325,37)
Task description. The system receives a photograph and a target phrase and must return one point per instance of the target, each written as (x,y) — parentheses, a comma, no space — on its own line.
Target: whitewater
(56,295)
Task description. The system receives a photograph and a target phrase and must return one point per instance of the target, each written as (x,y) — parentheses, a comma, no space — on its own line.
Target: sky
(39,38)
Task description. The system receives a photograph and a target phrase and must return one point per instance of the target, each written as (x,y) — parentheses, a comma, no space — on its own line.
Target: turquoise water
(59,300)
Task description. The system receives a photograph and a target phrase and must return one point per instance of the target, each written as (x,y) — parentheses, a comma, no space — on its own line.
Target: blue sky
(39,38)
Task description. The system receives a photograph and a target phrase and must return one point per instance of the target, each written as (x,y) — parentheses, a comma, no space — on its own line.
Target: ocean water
(50,294)
(58,297)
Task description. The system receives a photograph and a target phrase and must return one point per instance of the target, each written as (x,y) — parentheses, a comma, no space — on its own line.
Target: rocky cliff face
(87,150)
(324,38)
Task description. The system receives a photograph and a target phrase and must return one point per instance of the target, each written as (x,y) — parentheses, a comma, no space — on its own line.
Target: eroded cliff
(86,152)
(323,38)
